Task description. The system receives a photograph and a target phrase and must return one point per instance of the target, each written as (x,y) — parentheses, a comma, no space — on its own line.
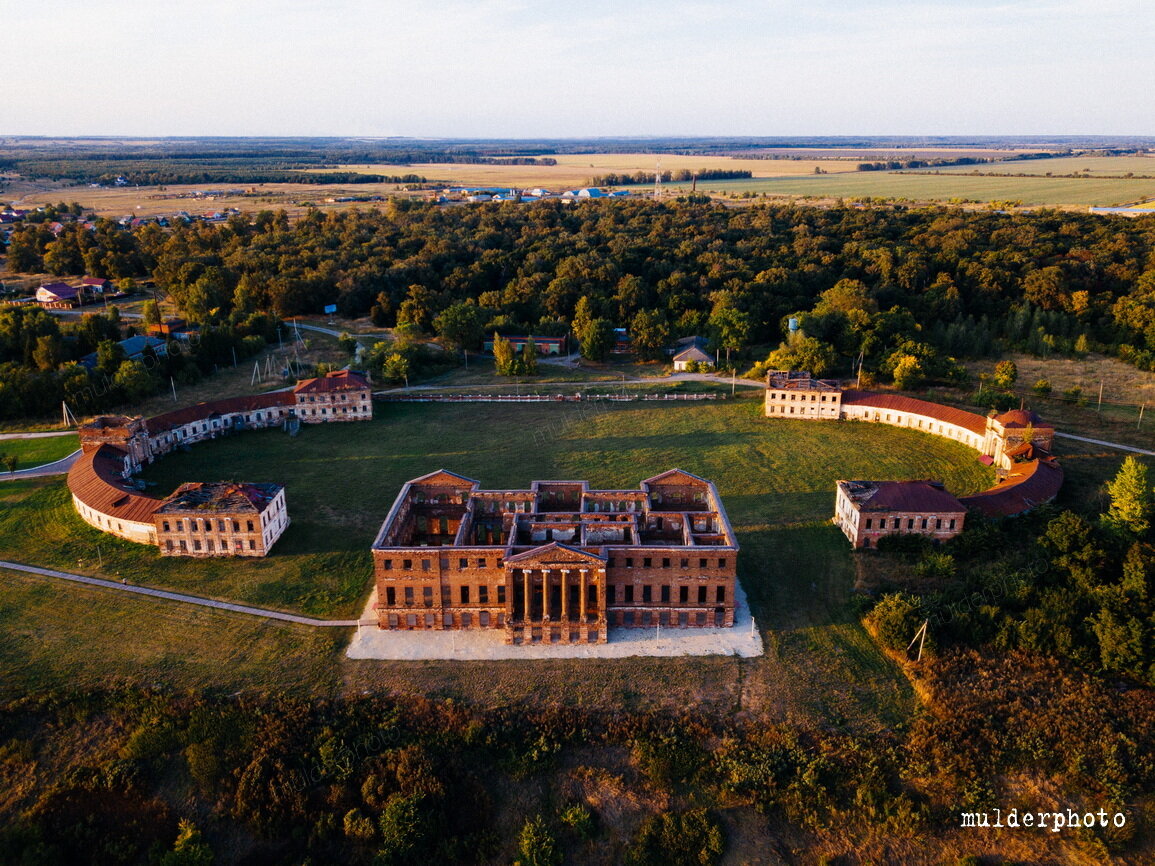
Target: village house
(63,296)
(692,355)
(544,345)
(796,394)
(558,562)
(343,395)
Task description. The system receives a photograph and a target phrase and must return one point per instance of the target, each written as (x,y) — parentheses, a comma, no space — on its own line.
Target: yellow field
(576,169)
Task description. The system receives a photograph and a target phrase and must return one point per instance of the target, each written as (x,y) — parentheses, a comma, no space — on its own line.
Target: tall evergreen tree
(1131,499)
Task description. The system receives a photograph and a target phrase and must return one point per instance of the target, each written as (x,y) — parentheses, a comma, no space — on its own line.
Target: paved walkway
(37,435)
(56,467)
(742,640)
(181,597)
(1107,444)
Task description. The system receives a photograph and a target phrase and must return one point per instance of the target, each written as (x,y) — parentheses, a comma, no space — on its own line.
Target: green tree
(1006,372)
(150,312)
(10,461)
(800,352)
(730,328)
(503,356)
(536,844)
(396,368)
(133,380)
(190,849)
(47,354)
(1131,499)
(598,340)
(650,333)
(582,317)
(528,366)
(461,325)
(109,357)
(908,372)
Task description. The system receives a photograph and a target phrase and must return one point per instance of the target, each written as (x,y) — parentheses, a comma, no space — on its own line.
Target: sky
(526,69)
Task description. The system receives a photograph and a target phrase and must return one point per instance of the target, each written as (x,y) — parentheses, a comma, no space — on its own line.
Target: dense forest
(865,282)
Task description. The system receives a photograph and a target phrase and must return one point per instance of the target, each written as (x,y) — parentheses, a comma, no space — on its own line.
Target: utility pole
(920,638)
(1100,407)
(173,384)
(1141,408)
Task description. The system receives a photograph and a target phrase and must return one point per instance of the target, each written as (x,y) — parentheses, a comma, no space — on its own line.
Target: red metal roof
(339,380)
(95,479)
(1028,485)
(919,497)
(1019,418)
(203,411)
(897,402)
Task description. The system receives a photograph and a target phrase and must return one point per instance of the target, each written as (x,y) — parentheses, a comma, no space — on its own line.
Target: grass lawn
(776,478)
(34,452)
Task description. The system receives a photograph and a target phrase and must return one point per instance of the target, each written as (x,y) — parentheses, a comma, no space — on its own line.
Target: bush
(688,839)
(536,845)
(895,619)
(1042,387)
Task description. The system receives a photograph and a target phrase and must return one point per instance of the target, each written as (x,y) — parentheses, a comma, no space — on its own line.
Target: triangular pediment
(678,477)
(443,477)
(555,555)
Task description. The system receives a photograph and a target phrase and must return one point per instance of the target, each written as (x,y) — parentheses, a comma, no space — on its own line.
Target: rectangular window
(168,544)
(721,563)
(924,522)
(236,526)
(465,595)
(685,563)
(427,595)
(252,544)
(647,562)
(249,525)
(938,523)
(463,563)
(501,594)
(196,544)
(666,593)
(721,594)
(647,594)
(387,565)
(701,595)
(683,594)
(910,523)
(629,562)
(444,563)
(180,526)
(183,545)
(895,523)
(665,562)
(702,563)
(390,596)
(629,594)
(868,522)
(952,523)
(166,529)
(409,595)
(425,565)
(482,563)
(407,564)
(483,594)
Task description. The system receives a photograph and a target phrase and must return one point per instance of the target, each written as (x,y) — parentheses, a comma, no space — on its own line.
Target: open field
(1096,166)
(576,169)
(34,452)
(1031,191)
(776,478)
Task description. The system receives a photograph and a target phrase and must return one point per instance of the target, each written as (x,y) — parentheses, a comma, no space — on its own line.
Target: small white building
(683,359)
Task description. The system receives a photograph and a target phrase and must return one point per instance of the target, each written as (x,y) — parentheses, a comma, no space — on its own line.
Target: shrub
(688,839)
(895,619)
(536,845)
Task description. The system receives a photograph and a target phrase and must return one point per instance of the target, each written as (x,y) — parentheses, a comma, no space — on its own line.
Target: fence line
(539,398)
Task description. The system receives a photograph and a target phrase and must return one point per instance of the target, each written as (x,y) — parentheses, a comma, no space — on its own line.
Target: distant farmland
(955,185)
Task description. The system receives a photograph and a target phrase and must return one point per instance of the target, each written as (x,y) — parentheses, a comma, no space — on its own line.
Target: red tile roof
(1028,485)
(896,402)
(203,411)
(95,479)
(339,380)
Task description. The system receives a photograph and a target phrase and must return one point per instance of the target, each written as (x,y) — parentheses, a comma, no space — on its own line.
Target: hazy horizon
(513,69)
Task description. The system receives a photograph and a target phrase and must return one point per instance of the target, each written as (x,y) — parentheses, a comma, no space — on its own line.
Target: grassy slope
(776,478)
(34,452)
